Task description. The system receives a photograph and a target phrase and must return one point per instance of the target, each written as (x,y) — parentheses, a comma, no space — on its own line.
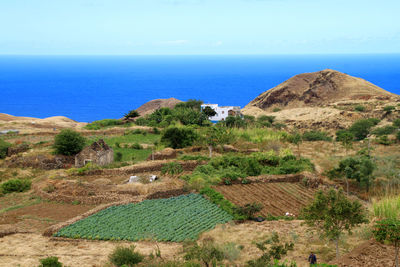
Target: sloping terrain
(276,198)
(155,104)
(317,89)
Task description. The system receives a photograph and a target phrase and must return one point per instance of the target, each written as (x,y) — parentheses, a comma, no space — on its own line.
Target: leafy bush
(384,140)
(16,185)
(136,146)
(125,256)
(191,103)
(389,109)
(171,168)
(316,136)
(50,262)
(249,210)
(396,123)
(97,125)
(3,148)
(118,156)
(359,108)
(389,129)
(276,110)
(131,114)
(398,136)
(178,137)
(234,122)
(361,128)
(69,142)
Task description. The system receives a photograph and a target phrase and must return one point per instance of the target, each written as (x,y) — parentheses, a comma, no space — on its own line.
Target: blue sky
(174,27)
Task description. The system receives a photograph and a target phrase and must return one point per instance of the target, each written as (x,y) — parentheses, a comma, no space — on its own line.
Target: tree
(207,252)
(69,142)
(356,168)
(332,214)
(346,138)
(215,136)
(131,114)
(178,137)
(210,112)
(234,122)
(389,109)
(191,103)
(296,139)
(388,230)
(271,253)
(361,128)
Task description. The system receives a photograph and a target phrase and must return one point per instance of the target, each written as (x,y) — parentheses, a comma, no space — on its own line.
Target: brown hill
(318,89)
(153,105)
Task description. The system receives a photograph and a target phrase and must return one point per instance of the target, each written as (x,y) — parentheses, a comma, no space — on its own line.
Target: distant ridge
(155,104)
(318,89)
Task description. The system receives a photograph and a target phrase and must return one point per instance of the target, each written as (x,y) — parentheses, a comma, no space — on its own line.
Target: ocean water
(88,88)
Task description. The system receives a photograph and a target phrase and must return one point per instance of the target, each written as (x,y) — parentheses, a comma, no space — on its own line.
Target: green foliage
(265,121)
(359,108)
(209,111)
(389,129)
(97,125)
(361,128)
(208,252)
(171,168)
(50,262)
(234,122)
(249,210)
(219,199)
(316,136)
(178,137)
(398,136)
(191,103)
(131,114)
(69,142)
(396,123)
(389,230)
(118,156)
(387,208)
(295,138)
(389,109)
(344,136)
(276,110)
(150,219)
(272,251)
(356,168)
(123,256)
(332,214)
(383,140)
(16,185)
(3,148)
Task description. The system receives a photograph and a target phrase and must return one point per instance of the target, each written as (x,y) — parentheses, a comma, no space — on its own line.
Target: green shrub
(118,156)
(249,210)
(69,142)
(389,109)
(172,168)
(136,146)
(396,123)
(276,110)
(3,148)
(384,140)
(359,108)
(234,122)
(50,262)
(131,114)
(398,136)
(125,256)
(16,185)
(219,199)
(178,137)
(97,125)
(361,128)
(316,136)
(389,129)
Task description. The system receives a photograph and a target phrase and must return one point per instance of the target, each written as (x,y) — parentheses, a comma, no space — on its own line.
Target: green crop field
(174,219)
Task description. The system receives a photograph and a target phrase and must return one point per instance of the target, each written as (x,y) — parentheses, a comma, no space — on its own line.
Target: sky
(198,27)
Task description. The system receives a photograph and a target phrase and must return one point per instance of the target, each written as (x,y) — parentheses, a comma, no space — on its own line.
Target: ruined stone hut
(99,153)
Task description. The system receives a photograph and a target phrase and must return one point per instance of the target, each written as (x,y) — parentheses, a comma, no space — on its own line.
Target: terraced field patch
(276,198)
(174,219)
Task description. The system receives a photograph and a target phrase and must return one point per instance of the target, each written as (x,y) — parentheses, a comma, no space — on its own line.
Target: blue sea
(88,88)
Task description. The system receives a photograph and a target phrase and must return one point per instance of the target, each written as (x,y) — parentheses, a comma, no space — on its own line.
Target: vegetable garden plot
(174,219)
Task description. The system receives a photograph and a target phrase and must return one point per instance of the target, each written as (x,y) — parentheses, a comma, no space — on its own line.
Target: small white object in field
(133,179)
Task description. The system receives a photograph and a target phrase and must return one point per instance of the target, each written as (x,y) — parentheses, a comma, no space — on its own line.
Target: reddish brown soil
(276,198)
(369,254)
(39,216)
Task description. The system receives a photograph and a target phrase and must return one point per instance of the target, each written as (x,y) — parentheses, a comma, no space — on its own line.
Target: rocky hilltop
(155,104)
(325,99)
(319,88)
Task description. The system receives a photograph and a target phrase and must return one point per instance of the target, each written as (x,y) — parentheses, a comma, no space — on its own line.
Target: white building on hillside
(222,112)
